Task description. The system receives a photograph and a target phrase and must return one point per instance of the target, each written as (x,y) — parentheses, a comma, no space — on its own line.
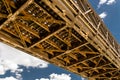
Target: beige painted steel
(67,33)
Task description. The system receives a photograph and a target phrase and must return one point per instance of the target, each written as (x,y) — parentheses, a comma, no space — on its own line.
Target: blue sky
(17,65)
(111,8)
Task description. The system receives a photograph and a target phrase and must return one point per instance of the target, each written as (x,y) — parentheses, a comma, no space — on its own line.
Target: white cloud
(82,78)
(110,2)
(8,78)
(54,76)
(101,2)
(7,65)
(11,58)
(44,79)
(107,2)
(12,66)
(103,15)
(2,72)
(60,77)
(18,76)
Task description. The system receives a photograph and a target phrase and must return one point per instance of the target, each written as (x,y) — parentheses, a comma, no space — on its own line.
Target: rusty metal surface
(67,33)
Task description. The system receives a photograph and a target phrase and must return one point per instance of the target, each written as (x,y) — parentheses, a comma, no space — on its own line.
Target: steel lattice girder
(69,34)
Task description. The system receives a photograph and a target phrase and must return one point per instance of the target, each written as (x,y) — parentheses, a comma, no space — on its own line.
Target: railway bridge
(66,33)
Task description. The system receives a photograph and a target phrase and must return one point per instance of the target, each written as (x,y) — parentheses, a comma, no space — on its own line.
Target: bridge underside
(66,33)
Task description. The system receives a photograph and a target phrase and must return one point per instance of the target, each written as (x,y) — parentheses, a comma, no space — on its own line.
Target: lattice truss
(36,28)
